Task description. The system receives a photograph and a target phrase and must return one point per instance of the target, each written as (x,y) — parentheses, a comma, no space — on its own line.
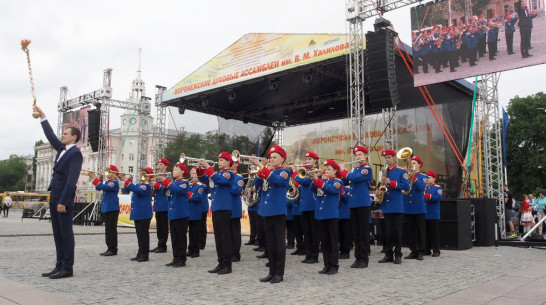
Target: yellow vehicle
(22,200)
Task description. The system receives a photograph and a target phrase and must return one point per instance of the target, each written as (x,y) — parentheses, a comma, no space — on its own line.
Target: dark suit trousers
(143,236)
(260,231)
(433,236)
(510,42)
(310,235)
(203,231)
(298,231)
(252,216)
(416,225)
(290,237)
(236,237)
(222,236)
(63,236)
(393,224)
(330,242)
(195,230)
(360,223)
(162,225)
(345,236)
(179,229)
(111,230)
(275,227)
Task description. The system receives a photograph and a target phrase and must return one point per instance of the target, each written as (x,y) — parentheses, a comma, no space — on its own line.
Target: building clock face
(133,121)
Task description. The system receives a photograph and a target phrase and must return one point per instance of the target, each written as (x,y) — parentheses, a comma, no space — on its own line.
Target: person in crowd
(541,207)
(197,199)
(161,207)
(6,205)
(527,220)
(433,195)
(509,213)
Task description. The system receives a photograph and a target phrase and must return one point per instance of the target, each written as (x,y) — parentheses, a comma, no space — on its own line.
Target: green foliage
(12,174)
(526,144)
(266,142)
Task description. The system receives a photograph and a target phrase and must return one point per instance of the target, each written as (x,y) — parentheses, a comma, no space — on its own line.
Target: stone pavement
(472,276)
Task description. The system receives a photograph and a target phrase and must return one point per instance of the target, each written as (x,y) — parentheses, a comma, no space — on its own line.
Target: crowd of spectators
(524,214)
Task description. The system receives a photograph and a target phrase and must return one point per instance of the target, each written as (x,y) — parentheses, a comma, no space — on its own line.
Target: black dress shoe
(297,252)
(249,243)
(154,249)
(160,250)
(435,254)
(103,253)
(194,255)
(225,270)
(47,274)
(386,259)
(262,255)
(142,259)
(189,253)
(419,256)
(235,259)
(324,270)
(361,265)
(412,255)
(109,253)
(289,246)
(344,256)
(332,270)
(135,258)
(266,279)
(179,264)
(355,264)
(305,260)
(312,261)
(216,269)
(398,259)
(259,249)
(61,274)
(171,263)
(276,279)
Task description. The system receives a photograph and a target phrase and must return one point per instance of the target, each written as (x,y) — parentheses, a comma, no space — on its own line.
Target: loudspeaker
(485,210)
(455,225)
(380,86)
(93,117)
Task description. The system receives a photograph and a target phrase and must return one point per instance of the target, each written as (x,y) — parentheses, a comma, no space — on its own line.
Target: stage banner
(77,119)
(416,129)
(257,55)
(448,44)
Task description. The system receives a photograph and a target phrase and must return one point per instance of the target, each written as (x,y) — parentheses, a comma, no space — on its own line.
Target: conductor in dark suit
(66,171)
(525,25)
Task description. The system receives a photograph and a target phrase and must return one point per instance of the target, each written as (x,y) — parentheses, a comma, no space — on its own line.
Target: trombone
(194,161)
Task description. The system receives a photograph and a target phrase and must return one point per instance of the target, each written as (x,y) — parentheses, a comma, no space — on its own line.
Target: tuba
(405,154)
(250,196)
(293,192)
(382,187)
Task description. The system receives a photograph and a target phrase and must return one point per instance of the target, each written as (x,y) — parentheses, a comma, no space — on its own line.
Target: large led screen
(451,42)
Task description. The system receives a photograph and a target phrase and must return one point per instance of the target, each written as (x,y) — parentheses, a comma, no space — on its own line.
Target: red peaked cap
(114,168)
(149,170)
(416,158)
(164,161)
(183,168)
(277,149)
(227,156)
(432,174)
(311,155)
(333,164)
(360,148)
(388,152)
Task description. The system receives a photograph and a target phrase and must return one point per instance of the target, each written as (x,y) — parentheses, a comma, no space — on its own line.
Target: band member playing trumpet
(433,195)
(297,227)
(197,200)
(109,208)
(273,209)
(236,213)
(359,203)
(396,181)
(221,206)
(414,207)
(161,206)
(345,235)
(141,211)
(328,192)
(179,212)
(260,222)
(307,207)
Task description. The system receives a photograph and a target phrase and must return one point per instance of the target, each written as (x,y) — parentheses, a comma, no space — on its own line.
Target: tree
(12,174)
(526,144)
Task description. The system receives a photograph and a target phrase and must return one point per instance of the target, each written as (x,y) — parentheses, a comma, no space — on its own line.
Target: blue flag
(505,121)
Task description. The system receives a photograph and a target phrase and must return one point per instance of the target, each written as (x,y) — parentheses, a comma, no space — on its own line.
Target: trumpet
(85,172)
(243,159)
(304,172)
(194,161)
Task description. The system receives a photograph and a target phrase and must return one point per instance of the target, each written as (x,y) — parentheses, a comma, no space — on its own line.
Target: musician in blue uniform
(236,213)
(359,203)
(260,232)
(161,207)
(433,195)
(141,211)
(221,183)
(205,207)
(252,217)
(290,237)
(273,209)
(414,207)
(327,213)
(179,212)
(109,208)
(509,29)
(197,199)
(345,234)
(297,223)
(492,33)
(307,207)
(392,206)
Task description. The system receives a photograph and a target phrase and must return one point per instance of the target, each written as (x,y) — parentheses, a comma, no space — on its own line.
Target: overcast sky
(74,41)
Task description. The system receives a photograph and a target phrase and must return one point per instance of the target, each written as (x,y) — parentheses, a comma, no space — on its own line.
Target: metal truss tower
(390,123)
(160,134)
(493,173)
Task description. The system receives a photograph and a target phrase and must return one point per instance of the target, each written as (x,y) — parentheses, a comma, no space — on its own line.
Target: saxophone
(382,188)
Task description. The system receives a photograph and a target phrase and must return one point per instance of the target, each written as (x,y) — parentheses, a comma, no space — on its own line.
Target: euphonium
(382,187)
(405,154)
(293,192)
